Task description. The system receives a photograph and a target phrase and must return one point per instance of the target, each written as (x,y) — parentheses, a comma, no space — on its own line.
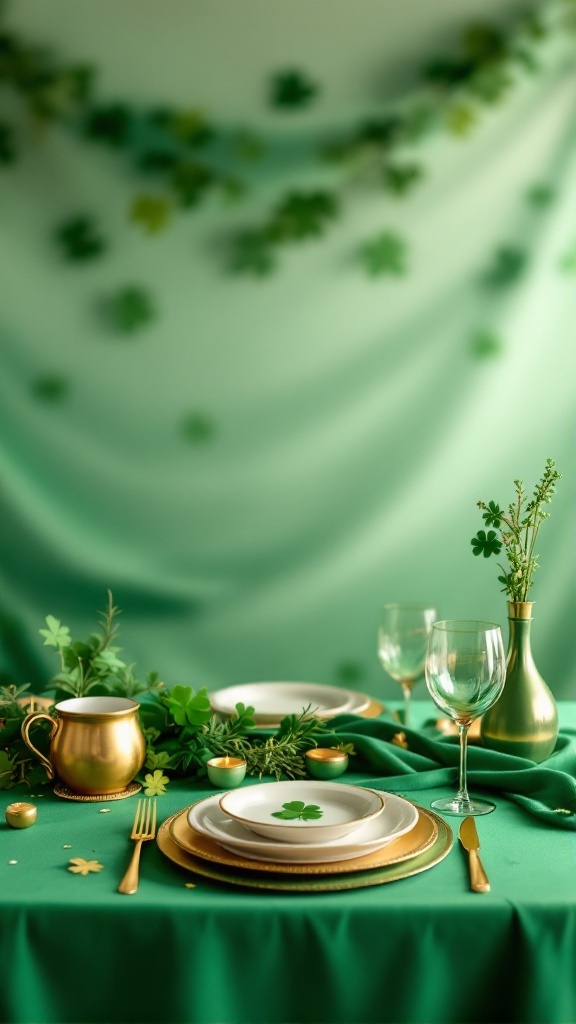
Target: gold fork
(143,829)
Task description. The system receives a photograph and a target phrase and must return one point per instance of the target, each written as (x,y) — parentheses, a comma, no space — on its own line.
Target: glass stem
(407,691)
(463,788)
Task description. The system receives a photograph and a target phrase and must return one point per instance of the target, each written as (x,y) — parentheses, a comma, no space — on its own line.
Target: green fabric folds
(547,790)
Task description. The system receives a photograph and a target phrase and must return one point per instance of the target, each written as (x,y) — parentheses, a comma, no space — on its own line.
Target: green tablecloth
(424,949)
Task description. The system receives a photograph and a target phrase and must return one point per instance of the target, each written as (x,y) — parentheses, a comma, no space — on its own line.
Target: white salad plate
(272,701)
(302,811)
(398,817)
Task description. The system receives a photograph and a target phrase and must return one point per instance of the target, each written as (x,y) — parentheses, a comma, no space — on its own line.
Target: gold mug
(97,745)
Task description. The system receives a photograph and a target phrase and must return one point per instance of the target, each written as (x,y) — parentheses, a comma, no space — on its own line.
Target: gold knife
(468,836)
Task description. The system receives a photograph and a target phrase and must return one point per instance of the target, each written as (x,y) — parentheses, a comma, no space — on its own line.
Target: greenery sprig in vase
(524,720)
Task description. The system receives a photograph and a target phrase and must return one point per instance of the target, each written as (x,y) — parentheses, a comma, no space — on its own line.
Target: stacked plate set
(305,836)
(273,701)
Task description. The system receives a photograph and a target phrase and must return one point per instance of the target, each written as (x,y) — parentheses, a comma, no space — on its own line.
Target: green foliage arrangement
(180,728)
(518,526)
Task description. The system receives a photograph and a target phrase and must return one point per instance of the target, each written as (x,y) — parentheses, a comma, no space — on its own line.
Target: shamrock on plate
(297,809)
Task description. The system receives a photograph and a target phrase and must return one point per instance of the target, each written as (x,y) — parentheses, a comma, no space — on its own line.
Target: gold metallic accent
(328,754)
(143,829)
(468,836)
(21,815)
(520,609)
(435,853)
(399,739)
(414,842)
(79,866)
(68,794)
(97,745)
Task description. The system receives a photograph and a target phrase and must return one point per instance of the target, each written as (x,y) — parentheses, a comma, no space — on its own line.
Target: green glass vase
(524,719)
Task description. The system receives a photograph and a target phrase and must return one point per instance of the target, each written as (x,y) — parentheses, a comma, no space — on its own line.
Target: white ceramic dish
(272,701)
(398,817)
(341,809)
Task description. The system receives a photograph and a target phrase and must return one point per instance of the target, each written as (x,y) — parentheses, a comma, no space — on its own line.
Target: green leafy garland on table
(179,725)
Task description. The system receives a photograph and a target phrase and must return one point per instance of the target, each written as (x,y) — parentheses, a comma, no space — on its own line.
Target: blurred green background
(267,459)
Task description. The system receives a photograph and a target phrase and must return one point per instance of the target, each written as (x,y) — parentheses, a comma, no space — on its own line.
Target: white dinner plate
(398,817)
(272,701)
(302,811)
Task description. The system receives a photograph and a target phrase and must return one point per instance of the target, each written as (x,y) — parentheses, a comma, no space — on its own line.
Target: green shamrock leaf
(109,124)
(385,255)
(297,809)
(400,179)
(493,514)
(252,254)
(155,783)
(130,309)
(56,635)
(80,239)
(157,760)
(302,215)
(190,180)
(508,265)
(485,543)
(152,212)
(292,89)
(187,707)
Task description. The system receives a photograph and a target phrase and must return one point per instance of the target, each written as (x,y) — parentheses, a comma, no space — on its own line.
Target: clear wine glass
(402,638)
(465,672)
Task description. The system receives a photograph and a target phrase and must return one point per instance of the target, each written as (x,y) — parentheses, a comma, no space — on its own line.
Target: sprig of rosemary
(518,527)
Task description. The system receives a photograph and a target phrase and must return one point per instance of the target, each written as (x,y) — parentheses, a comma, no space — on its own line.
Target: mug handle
(46,764)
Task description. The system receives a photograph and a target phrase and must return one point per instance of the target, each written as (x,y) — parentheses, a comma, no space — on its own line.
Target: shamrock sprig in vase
(524,720)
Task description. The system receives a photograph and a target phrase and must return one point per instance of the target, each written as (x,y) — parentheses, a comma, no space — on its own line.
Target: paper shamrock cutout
(292,89)
(297,809)
(80,239)
(130,309)
(385,255)
(79,866)
(155,783)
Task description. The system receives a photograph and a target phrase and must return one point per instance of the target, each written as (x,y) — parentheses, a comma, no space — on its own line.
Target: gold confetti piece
(105,810)
(190,885)
(67,846)
(84,867)
(12,861)
(399,738)
(562,810)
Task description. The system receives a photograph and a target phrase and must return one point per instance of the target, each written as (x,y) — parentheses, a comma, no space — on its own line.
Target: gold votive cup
(21,815)
(226,772)
(326,762)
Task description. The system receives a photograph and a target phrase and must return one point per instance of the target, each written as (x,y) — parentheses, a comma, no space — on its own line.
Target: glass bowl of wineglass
(402,639)
(465,671)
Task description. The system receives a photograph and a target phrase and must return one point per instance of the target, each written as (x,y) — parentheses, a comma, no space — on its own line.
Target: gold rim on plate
(412,843)
(435,853)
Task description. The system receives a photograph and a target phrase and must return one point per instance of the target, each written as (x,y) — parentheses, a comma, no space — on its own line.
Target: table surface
(424,948)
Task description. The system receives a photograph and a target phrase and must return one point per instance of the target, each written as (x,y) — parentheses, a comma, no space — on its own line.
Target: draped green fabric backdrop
(355,426)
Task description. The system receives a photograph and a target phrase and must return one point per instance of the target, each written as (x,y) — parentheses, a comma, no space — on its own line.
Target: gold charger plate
(416,841)
(435,853)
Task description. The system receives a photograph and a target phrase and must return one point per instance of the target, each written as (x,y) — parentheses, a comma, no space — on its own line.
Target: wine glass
(402,637)
(465,671)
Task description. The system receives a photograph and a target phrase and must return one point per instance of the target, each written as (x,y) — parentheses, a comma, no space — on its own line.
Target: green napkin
(546,790)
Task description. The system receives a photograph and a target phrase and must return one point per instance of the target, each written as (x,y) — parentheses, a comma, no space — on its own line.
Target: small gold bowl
(21,815)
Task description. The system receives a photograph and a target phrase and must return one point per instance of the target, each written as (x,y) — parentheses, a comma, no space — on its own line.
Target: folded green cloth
(546,790)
